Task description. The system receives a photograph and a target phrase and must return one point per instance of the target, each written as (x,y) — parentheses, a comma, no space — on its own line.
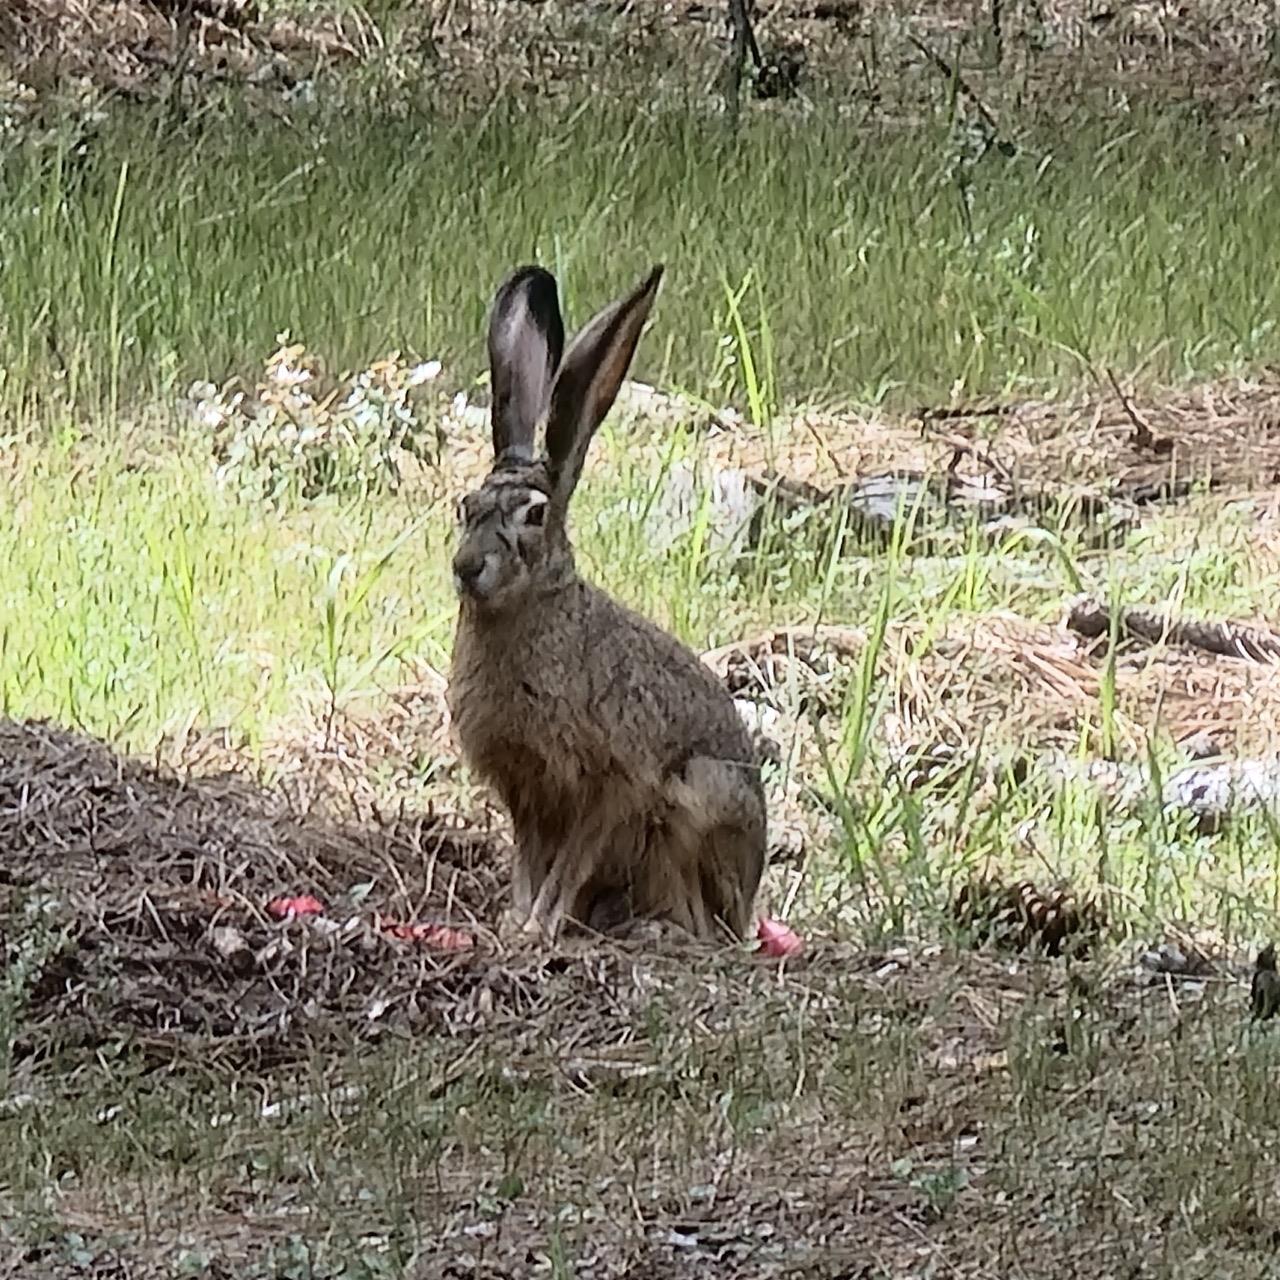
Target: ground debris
(1183,955)
(1061,464)
(1148,52)
(1033,686)
(1075,455)
(764,664)
(154,887)
(938,510)
(233,13)
(136,48)
(207,920)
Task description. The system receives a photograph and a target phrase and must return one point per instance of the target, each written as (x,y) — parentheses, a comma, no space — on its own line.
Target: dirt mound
(146,909)
(135,905)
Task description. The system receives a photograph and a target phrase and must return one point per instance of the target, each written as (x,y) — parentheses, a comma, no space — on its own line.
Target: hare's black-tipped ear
(526,341)
(589,379)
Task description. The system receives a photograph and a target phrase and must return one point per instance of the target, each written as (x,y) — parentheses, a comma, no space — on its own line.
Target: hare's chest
(523,723)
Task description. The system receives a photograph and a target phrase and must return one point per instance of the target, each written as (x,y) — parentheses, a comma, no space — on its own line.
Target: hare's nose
(467,567)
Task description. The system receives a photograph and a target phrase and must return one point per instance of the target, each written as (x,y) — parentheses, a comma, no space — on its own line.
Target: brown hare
(631,780)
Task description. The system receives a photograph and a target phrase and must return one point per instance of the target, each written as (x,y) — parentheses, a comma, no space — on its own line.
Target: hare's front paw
(511,928)
(522,928)
(649,933)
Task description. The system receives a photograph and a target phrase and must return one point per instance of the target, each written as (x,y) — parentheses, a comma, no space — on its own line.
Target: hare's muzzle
(468,568)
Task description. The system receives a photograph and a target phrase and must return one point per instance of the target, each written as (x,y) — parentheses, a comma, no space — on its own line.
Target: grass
(1135,247)
(895,1112)
(983,1158)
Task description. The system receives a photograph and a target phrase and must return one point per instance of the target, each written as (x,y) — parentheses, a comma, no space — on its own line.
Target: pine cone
(1021,915)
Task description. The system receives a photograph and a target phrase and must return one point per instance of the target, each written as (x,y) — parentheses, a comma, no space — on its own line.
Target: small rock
(230,944)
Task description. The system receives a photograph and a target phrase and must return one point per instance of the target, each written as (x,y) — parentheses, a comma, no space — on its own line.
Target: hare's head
(513,525)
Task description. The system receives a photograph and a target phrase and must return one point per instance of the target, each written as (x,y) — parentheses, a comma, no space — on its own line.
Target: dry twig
(1092,619)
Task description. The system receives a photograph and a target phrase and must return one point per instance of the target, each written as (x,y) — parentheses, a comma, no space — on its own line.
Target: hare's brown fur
(631,780)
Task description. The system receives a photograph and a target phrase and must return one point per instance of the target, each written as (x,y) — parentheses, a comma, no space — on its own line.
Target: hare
(630,778)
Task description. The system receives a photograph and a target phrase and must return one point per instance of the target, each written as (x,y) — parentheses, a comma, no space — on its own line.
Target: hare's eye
(535,514)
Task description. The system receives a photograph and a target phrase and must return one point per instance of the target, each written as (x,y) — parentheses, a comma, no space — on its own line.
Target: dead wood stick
(1143,436)
(744,42)
(741,14)
(962,448)
(1092,619)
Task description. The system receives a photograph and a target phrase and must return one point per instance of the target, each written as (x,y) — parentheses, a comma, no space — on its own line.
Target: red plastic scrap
(778,939)
(290,908)
(439,937)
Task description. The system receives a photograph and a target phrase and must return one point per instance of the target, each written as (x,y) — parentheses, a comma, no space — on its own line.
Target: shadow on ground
(137,903)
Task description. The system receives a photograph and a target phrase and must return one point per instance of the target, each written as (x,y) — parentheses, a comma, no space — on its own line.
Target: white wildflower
(208,415)
(287,374)
(425,372)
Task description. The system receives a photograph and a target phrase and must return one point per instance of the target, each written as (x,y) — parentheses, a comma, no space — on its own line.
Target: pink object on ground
(777,939)
(439,937)
(287,908)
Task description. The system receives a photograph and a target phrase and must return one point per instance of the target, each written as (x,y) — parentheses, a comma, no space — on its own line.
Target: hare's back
(651,688)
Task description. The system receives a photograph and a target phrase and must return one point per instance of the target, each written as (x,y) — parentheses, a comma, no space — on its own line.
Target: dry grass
(1223,433)
(1218,53)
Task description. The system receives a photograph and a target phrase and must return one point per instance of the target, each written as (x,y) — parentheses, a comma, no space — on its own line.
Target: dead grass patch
(1223,433)
(1003,679)
(1216,53)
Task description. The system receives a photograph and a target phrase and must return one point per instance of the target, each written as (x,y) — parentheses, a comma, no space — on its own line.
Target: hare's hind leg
(727,882)
(720,815)
(654,898)
(698,864)
(601,852)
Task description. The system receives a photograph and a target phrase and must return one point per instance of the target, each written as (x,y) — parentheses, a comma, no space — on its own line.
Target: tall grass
(170,255)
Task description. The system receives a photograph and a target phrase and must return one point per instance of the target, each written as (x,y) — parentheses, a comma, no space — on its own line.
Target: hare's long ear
(588,381)
(526,341)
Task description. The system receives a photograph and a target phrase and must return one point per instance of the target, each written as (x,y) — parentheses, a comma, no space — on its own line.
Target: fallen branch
(743,42)
(952,73)
(1168,489)
(1092,619)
